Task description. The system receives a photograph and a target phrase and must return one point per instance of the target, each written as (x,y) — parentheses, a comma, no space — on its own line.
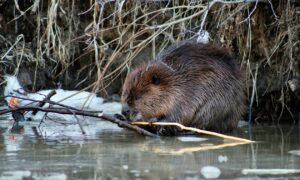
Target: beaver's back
(211,84)
(191,56)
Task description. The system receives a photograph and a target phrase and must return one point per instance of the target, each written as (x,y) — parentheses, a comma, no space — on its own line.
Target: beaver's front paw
(120,117)
(167,130)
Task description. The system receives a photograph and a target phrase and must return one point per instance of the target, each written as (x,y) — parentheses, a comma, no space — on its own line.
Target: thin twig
(79,124)
(250,14)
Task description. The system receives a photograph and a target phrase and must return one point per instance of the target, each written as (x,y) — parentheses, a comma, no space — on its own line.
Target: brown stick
(83,113)
(42,103)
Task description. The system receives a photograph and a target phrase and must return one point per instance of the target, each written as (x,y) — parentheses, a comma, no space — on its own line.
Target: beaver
(197,85)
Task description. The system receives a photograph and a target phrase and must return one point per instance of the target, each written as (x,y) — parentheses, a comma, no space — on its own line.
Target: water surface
(61,151)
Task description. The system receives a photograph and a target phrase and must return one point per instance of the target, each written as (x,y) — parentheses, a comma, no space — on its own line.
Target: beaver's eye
(155,79)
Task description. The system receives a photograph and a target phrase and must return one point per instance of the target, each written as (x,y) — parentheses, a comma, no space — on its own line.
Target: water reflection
(109,152)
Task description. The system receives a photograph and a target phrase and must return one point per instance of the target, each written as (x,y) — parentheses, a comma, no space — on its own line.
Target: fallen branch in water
(182,127)
(99,114)
(74,111)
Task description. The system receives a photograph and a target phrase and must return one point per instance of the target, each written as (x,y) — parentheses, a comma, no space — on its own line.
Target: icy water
(60,151)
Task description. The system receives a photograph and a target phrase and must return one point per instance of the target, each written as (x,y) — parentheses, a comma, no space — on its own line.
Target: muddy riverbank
(92,45)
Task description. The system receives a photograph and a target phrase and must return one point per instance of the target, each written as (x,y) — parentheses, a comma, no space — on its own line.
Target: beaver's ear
(155,79)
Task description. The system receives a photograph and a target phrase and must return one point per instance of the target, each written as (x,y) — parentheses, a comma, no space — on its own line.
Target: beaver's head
(149,91)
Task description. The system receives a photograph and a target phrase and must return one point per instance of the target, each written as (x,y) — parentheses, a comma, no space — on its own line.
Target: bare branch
(83,113)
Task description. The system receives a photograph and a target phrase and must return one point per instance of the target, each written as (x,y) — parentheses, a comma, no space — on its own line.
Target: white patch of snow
(203,37)
(77,99)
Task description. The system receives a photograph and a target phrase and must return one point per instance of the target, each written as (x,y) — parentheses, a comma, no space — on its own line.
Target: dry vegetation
(92,44)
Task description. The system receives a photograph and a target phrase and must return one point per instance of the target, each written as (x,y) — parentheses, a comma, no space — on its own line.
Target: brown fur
(194,84)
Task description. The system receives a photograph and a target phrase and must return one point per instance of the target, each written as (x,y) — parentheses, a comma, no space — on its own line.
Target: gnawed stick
(182,127)
(106,117)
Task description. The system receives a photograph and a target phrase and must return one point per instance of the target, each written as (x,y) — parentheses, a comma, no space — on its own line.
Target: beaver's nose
(125,110)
